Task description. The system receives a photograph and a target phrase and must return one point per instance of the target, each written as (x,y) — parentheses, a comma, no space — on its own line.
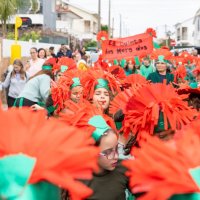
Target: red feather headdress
(143,108)
(81,113)
(196,71)
(102,35)
(60,91)
(64,61)
(168,171)
(180,73)
(161,52)
(188,58)
(184,88)
(63,153)
(90,80)
(133,83)
(117,72)
(151,32)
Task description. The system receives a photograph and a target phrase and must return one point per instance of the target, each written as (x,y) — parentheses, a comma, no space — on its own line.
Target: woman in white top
(15,82)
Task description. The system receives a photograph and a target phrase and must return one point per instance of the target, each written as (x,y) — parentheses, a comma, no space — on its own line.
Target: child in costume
(110,182)
(173,172)
(38,156)
(154,109)
(162,57)
(63,64)
(99,87)
(146,68)
(67,88)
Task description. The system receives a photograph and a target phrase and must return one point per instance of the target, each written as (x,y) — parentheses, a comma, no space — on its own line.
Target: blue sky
(137,15)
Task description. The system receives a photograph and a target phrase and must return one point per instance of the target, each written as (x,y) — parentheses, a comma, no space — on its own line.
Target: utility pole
(120,25)
(109,16)
(99,15)
(113,27)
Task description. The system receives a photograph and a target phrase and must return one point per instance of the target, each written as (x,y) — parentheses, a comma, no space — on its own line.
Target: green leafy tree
(90,44)
(35,6)
(104,28)
(7,9)
(26,36)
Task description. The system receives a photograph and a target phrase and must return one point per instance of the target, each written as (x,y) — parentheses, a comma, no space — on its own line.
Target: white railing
(25,47)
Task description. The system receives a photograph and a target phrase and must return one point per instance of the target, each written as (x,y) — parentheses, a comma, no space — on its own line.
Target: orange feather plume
(142,110)
(63,153)
(132,83)
(188,58)
(168,168)
(60,91)
(164,52)
(185,89)
(196,71)
(135,80)
(117,72)
(180,73)
(89,81)
(65,61)
(102,35)
(81,113)
(151,32)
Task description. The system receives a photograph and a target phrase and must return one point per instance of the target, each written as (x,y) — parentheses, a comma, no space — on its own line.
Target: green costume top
(155,77)
(145,71)
(14,180)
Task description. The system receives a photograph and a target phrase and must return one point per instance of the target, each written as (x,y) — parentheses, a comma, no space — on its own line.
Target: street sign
(172,43)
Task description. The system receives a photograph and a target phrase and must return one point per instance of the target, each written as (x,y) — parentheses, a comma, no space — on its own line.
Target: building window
(184,33)
(87,26)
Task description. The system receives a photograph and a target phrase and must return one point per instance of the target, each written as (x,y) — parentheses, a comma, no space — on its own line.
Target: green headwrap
(156,45)
(195,173)
(76,83)
(193,85)
(115,62)
(15,172)
(101,126)
(102,83)
(63,68)
(137,60)
(161,58)
(123,63)
(46,67)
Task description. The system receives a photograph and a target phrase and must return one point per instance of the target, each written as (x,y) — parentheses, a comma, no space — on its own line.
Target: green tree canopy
(7,9)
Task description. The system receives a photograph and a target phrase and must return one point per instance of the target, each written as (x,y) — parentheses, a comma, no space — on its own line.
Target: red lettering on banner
(138,45)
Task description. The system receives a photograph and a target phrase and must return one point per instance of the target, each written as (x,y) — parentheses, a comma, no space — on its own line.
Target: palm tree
(7,9)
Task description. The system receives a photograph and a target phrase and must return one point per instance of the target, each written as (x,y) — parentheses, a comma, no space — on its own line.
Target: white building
(185,33)
(196,23)
(70,20)
(76,21)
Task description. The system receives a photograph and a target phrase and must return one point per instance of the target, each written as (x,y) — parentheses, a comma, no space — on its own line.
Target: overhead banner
(137,45)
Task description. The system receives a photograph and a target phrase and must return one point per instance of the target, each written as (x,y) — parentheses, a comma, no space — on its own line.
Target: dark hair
(34,48)
(42,49)
(51,48)
(194,101)
(97,143)
(49,103)
(126,67)
(22,71)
